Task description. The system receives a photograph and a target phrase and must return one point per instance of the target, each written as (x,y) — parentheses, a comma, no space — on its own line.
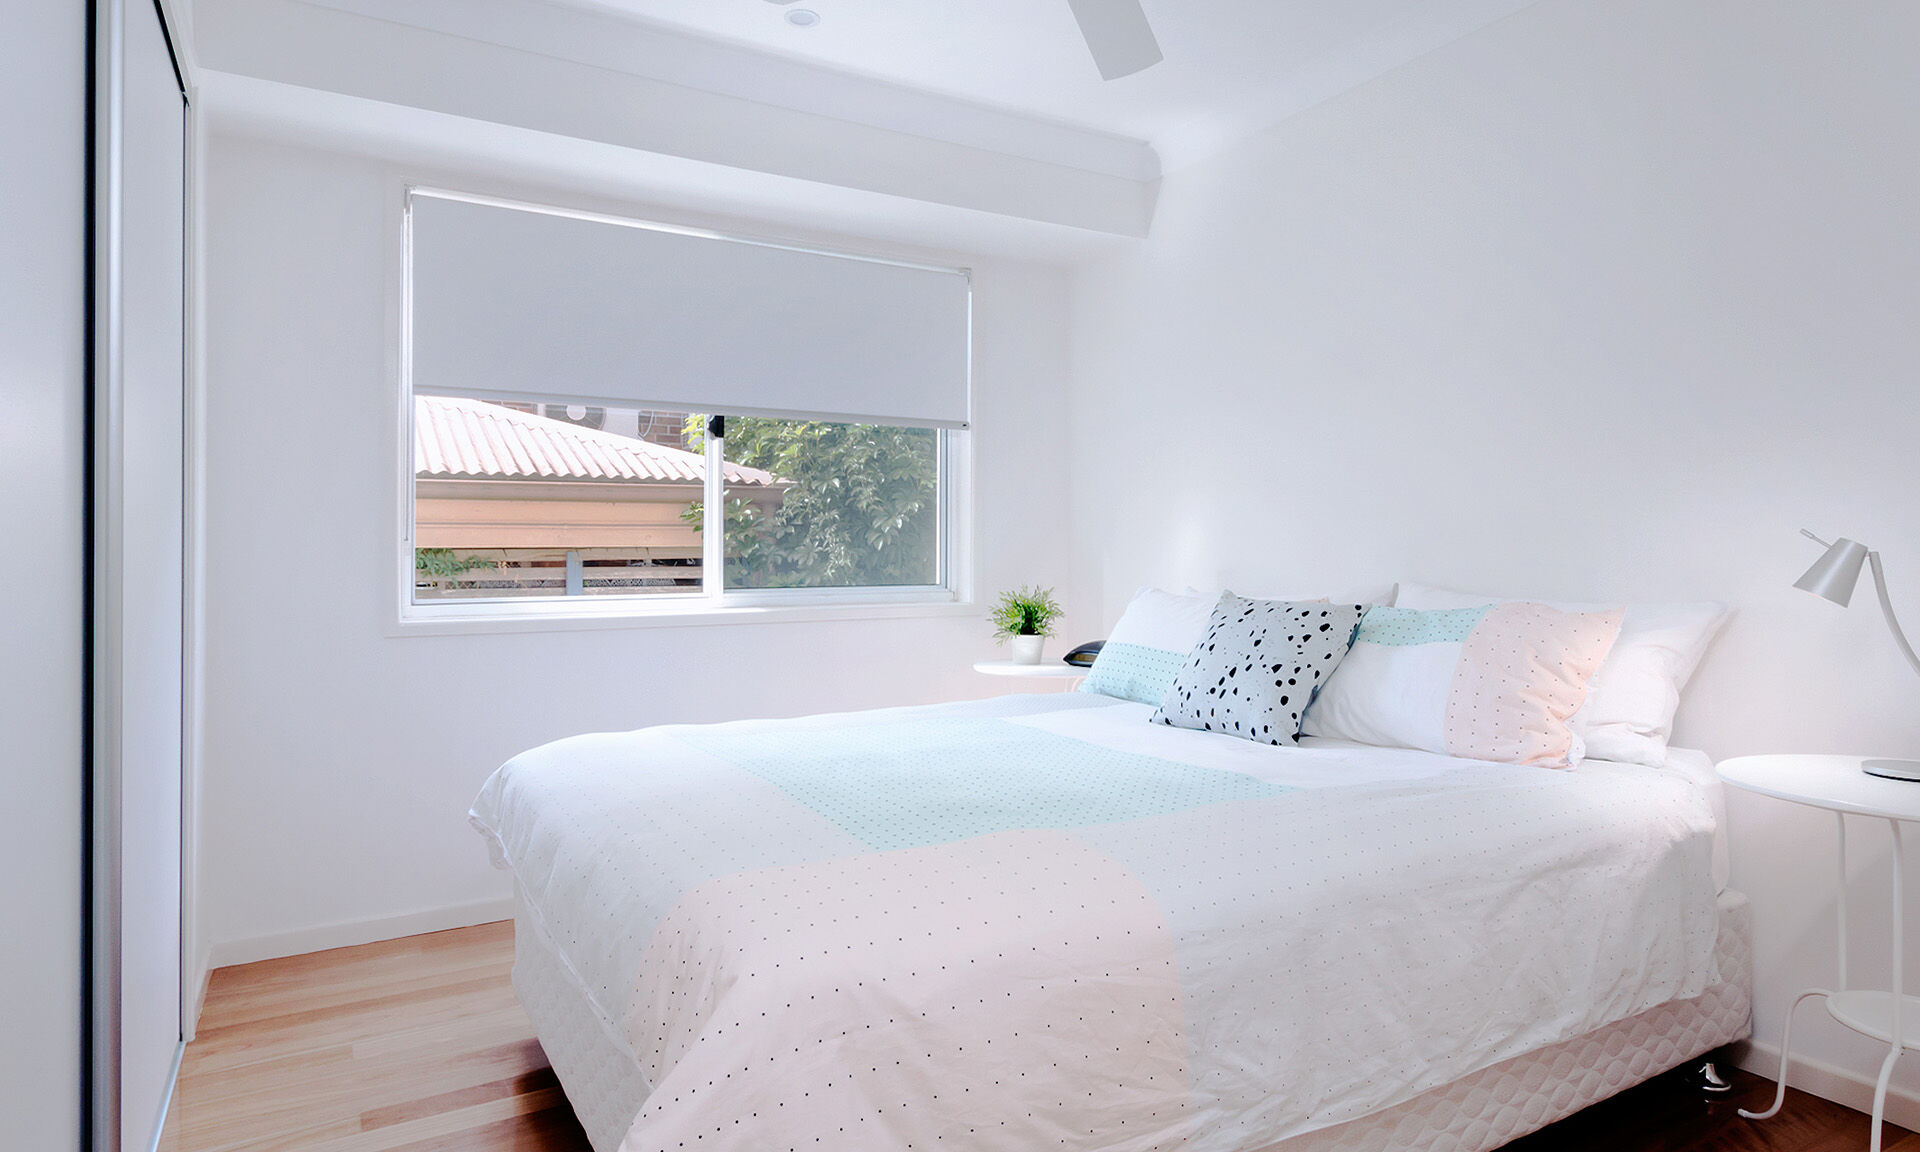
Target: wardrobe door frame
(107,1127)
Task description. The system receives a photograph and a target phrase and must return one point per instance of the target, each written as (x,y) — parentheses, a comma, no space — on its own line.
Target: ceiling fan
(1118,35)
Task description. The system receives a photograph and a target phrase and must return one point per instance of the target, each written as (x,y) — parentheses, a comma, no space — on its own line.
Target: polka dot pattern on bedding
(872,973)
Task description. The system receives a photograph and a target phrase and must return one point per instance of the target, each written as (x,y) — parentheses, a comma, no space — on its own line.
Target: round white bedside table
(1045,670)
(1837,784)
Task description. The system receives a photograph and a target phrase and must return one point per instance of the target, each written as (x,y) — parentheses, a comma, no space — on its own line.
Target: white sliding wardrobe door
(43,480)
(139,422)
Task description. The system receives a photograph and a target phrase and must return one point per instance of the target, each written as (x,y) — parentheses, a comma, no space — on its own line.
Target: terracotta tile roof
(470,439)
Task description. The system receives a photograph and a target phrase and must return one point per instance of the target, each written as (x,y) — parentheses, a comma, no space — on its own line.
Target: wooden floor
(418,1044)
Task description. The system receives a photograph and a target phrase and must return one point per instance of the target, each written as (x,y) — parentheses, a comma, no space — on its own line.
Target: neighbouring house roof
(458,439)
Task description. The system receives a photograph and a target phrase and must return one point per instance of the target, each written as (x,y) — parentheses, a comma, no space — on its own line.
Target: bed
(1042,922)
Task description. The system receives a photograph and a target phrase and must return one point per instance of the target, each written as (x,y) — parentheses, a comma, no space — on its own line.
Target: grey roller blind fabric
(511,303)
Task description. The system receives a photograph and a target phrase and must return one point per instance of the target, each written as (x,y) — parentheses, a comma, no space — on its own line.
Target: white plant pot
(1026,649)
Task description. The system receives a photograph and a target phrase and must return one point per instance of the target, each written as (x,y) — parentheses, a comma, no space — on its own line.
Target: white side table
(1837,784)
(1046,670)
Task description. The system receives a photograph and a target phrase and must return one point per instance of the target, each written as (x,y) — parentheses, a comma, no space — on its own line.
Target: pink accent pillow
(1631,701)
(1523,673)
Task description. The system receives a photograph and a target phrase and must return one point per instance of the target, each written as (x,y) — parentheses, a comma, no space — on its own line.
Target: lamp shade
(1833,576)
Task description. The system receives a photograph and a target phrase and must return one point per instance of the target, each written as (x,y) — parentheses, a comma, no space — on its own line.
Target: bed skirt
(1473,1114)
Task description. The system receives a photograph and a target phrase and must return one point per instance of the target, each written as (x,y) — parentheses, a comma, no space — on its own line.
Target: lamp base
(1892,769)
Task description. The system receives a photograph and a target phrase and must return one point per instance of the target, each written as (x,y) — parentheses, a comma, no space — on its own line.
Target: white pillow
(1494,682)
(1628,716)
(1149,645)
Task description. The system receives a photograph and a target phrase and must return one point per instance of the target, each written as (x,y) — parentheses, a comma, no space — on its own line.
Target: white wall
(42,477)
(340,760)
(1605,301)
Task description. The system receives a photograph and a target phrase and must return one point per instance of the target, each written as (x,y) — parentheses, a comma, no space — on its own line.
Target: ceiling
(981,126)
(1232,66)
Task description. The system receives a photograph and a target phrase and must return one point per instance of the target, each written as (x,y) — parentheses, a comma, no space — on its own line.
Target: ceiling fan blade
(1118,35)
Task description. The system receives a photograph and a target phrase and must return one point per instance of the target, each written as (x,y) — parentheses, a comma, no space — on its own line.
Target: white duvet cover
(1041,922)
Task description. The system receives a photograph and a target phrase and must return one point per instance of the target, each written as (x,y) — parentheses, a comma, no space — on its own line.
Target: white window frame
(714,603)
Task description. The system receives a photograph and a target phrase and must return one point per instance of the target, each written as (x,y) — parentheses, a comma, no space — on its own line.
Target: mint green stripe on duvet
(923,782)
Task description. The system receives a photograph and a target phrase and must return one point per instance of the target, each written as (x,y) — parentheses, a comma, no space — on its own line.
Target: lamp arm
(1886,606)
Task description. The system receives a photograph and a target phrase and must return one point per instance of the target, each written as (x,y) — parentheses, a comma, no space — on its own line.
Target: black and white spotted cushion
(1258,667)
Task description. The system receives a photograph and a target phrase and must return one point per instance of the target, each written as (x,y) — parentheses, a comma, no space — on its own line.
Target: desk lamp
(1833,577)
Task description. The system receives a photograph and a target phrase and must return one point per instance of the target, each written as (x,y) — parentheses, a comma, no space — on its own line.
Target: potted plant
(1025,617)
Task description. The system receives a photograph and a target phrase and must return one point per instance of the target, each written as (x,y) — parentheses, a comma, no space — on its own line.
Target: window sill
(456,619)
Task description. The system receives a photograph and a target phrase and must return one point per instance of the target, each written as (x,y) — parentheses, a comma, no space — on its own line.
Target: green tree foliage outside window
(863,509)
(445,564)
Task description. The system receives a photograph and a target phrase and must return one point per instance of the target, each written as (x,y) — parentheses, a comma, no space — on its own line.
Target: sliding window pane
(812,504)
(535,501)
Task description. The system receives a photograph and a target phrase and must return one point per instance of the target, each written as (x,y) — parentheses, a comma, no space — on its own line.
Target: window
(817,504)
(522,501)
(528,500)
(605,412)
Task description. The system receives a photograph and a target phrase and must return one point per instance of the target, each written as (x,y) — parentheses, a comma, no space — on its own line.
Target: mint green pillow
(1149,645)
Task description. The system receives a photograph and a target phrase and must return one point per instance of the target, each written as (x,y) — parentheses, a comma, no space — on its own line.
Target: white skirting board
(197,981)
(227,953)
(1827,1081)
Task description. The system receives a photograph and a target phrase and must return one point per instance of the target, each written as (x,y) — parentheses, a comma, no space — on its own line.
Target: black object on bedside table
(1082,657)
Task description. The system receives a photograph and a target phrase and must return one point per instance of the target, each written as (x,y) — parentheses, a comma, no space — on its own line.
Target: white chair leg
(1786,1046)
(1880,1096)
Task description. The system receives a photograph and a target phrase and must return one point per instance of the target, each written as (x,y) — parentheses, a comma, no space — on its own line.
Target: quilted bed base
(1473,1114)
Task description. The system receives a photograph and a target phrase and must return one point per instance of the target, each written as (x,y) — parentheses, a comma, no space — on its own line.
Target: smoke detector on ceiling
(802,17)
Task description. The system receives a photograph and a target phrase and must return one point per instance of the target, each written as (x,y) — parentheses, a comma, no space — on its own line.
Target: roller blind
(516,303)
